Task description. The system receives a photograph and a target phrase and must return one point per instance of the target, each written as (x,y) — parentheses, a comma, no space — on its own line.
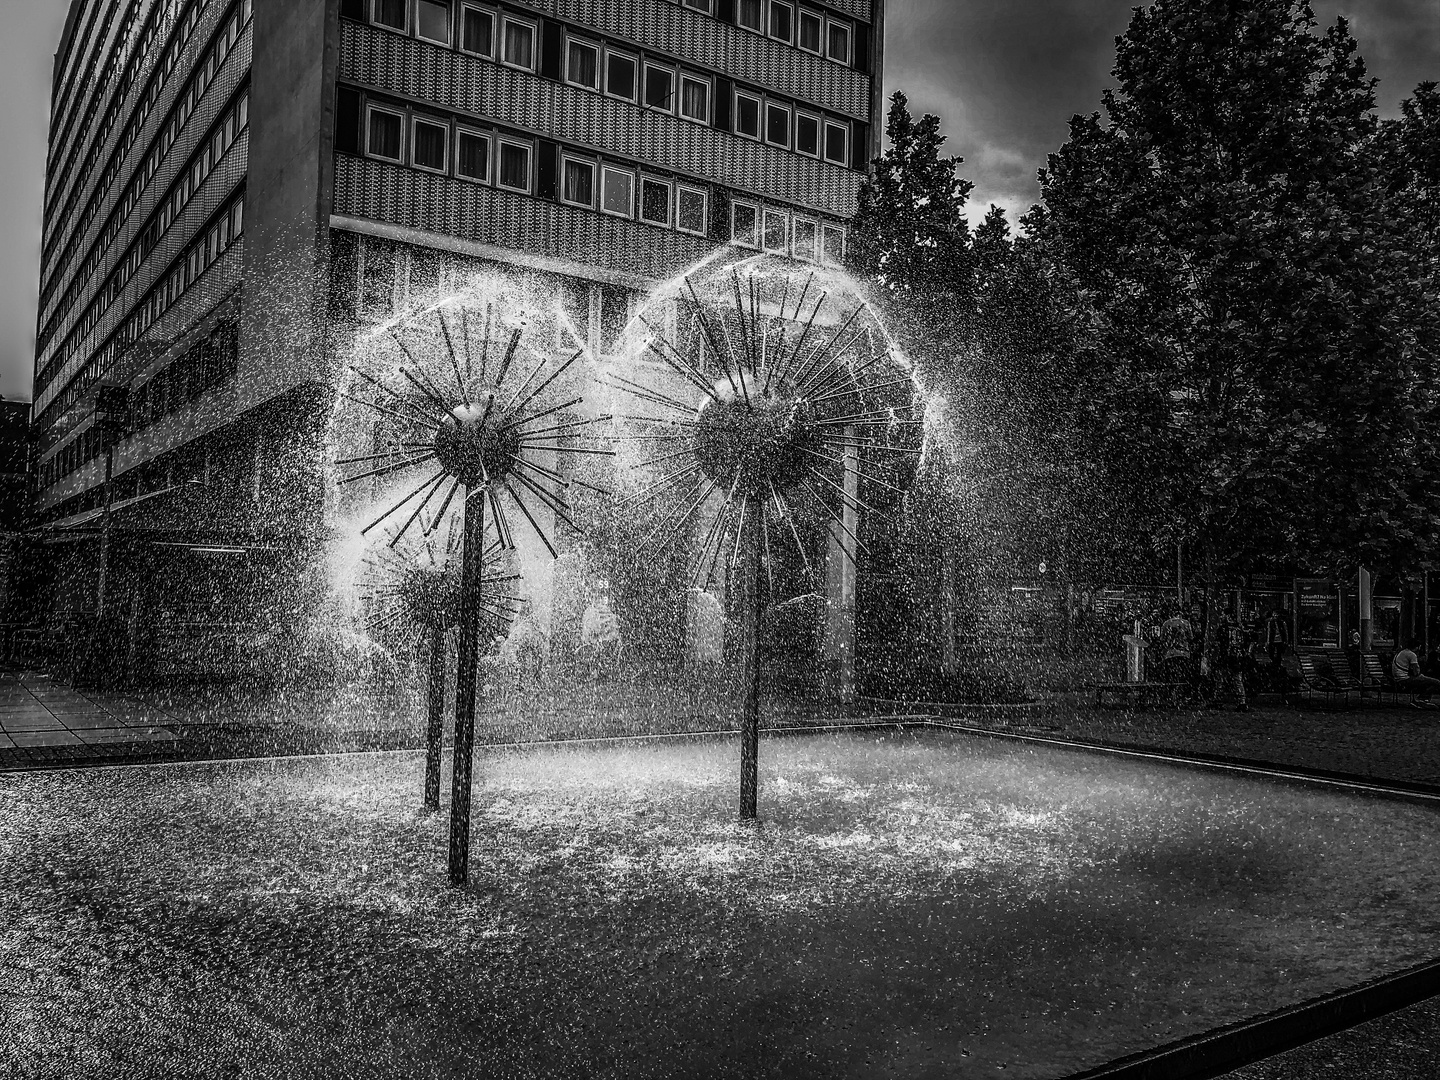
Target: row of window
(67,84)
(180,113)
(620,72)
(210,362)
(164,68)
(488,157)
(224,230)
(221,137)
(806,28)
(99,88)
(82,450)
(780,232)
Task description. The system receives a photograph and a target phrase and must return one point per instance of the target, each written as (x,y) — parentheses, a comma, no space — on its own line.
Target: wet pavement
(42,720)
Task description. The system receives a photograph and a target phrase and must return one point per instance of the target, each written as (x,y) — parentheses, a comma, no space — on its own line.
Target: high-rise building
(228,181)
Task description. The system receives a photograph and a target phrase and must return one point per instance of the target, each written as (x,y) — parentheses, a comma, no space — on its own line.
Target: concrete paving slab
(44,738)
(31,723)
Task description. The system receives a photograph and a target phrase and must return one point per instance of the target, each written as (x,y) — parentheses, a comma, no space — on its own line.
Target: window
(477,32)
(839,41)
(384,136)
(747,14)
(832,245)
(695,99)
(391,13)
(472,155)
(427,147)
(659,88)
(744,224)
(433,21)
(806,233)
(519,44)
(747,116)
(620,75)
(807,134)
(690,211)
(515,166)
(579,184)
(777,231)
(582,65)
(836,136)
(812,28)
(777,124)
(617,191)
(782,21)
(655,201)
(698,5)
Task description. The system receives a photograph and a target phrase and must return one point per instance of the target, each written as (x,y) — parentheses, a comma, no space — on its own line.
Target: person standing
(1231,653)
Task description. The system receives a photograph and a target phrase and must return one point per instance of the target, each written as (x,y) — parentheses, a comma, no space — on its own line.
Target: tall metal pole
(435,730)
(472,568)
(750,669)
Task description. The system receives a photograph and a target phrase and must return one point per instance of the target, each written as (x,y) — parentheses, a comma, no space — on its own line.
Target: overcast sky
(1004,75)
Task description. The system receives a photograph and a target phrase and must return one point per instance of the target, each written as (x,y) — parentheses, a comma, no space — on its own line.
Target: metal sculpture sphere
(476,444)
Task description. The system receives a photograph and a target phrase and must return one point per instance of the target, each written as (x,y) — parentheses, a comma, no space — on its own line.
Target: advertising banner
(1317,612)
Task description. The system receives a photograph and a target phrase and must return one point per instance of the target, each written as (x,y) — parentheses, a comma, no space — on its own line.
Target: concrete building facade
(230,182)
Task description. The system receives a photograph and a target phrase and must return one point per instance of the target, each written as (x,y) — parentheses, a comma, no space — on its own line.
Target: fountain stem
(472,570)
(435,729)
(750,602)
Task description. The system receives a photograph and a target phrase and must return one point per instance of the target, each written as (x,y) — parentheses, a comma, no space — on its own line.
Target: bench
(1141,694)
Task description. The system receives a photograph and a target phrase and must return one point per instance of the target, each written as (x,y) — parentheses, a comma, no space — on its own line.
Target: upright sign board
(1317,613)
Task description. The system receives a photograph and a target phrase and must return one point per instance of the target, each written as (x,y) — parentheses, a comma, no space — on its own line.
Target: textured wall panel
(411,68)
(738,53)
(399,196)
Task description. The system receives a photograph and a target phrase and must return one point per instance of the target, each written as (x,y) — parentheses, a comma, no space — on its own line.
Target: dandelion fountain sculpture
(412,590)
(799,409)
(468,420)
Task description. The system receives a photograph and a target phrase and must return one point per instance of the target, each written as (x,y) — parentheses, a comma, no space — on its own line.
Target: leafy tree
(1263,378)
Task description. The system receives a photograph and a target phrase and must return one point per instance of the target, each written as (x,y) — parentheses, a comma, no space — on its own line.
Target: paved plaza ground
(47,724)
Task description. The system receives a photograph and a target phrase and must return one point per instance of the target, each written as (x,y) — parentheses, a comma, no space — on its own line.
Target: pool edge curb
(1221,1050)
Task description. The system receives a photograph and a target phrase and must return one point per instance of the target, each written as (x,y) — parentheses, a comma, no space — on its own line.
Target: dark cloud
(1005,77)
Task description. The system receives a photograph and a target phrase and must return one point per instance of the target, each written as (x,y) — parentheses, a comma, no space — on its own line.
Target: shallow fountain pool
(913,904)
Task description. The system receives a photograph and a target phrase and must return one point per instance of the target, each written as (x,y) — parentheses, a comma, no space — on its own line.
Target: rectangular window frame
(773,8)
(708,84)
(519,144)
(818,21)
(826,232)
(844,129)
(634,60)
(489,52)
(766,216)
(607,170)
(370,110)
(780,107)
(508,20)
(819,133)
(444,167)
(755,236)
(674,96)
(651,181)
(449,23)
(489,140)
(759,28)
(375,7)
(681,190)
(812,253)
(759,102)
(831,25)
(566,160)
(575,42)
(698,5)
